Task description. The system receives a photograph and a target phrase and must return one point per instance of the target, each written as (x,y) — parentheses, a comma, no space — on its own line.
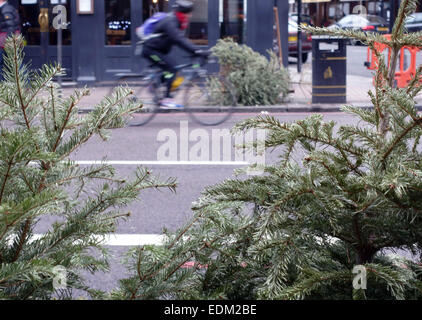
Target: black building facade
(100,42)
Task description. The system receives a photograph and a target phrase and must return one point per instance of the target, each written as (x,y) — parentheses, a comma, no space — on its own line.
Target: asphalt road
(163,209)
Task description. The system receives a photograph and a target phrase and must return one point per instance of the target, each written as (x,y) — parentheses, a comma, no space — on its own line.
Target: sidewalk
(298,101)
(357,92)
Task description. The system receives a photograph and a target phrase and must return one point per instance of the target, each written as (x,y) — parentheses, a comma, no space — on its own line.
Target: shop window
(30,28)
(118,22)
(233,19)
(198,27)
(66,33)
(153,6)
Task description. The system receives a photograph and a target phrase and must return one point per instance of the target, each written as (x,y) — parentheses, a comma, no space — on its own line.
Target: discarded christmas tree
(298,230)
(258,80)
(40,129)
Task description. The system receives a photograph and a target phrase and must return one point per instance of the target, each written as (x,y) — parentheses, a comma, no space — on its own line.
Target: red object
(183,19)
(3,37)
(403,76)
(368,28)
(192,264)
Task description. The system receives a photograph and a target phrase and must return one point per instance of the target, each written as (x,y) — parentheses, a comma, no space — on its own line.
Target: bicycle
(207,98)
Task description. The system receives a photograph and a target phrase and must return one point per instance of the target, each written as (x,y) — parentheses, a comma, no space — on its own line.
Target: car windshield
(375,19)
(361,20)
(292,26)
(416,17)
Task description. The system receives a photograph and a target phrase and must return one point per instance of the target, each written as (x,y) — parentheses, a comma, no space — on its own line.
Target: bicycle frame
(151,79)
(193,69)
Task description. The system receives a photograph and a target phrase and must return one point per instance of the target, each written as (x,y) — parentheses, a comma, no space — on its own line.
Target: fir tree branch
(186,229)
(273,124)
(53,108)
(88,175)
(29,209)
(353,167)
(56,71)
(155,273)
(17,80)
(63,126)
(333,175)
(22,239)
(399,138)
(103,121)
(413,87)
(407,7)
(357,232)
(10,164)
(313,281)
(398,103)
(6,177)
(6,103)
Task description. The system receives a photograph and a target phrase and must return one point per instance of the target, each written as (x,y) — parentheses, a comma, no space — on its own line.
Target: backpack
(146,30)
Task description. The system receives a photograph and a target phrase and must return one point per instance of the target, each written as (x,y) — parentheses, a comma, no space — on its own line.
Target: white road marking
(125,240)
(144,239)
(131,240)
(134,239)
(164,163)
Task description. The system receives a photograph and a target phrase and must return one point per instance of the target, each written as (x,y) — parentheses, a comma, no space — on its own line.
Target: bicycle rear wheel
(144,93)
(210,99)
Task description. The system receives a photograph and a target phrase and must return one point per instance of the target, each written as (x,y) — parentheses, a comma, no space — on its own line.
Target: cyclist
(157,49)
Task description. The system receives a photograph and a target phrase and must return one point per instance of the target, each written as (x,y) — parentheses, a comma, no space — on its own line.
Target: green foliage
(340,196)
(257,80)
(39,130)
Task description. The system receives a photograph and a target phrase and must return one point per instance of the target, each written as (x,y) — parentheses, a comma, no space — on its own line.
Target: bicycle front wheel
(210,100)
(145,94)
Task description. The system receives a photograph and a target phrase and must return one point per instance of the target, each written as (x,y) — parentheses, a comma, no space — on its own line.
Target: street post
(299,36)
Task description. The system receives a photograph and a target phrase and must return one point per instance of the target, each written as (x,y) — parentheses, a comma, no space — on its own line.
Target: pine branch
(16,44)
(400,137)
(407,7)
(22,239)
(6,177)
(50,73)
(38,179)
(65,122)
(312,282)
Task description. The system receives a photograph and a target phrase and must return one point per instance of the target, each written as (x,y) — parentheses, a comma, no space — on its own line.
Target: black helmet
(183,6)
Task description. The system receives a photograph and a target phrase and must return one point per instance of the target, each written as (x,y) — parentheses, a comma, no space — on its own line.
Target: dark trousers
(165,63)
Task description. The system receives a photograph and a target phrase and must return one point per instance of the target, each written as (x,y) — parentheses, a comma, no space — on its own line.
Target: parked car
(306,41)
(365,23)
(414,22)
(306,19)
